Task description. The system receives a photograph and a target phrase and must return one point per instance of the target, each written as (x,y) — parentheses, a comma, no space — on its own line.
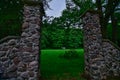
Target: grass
(55,68)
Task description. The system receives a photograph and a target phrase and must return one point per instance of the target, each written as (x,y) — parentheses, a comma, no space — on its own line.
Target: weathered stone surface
(2,53)
(111,58)
(12,42)
(25,25)
(31,74)
(12,68)
(19,78)
(12,55)
(13,79)
(101,57)
(19,56)
(16,60)
(12,75)
(6,63)
(30,37)
(33,63)
(4,59)
(22,67)
(1,69)
(33,66)
(25,75)
(25,34)
(92,44)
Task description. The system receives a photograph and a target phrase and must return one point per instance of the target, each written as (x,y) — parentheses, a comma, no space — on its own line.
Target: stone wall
(19,58)
(102,58)
(8,57)
(112,58)
(28,68)
(94,59)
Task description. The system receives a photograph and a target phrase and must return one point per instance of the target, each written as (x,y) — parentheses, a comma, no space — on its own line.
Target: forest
(61,38)
(64,31)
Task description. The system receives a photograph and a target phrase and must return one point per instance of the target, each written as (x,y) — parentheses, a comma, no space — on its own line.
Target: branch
(99,6)
(110,9)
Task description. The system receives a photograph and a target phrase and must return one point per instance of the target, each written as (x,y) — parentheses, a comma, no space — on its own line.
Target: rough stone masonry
(94,60)
(28,67)
(102,57)
(19,58)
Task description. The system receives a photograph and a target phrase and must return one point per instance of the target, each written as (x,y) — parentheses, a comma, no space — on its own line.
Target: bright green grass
(55,68)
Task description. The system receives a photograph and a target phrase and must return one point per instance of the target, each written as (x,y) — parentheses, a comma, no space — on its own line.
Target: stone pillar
(94,58)
(28,67)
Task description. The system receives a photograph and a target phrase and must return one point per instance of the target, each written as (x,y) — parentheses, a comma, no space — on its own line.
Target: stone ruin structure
(102,57)
(19,56)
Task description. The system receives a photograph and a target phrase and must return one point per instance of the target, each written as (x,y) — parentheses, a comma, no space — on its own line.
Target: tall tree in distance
(106,9)
(10,17)
(106,14)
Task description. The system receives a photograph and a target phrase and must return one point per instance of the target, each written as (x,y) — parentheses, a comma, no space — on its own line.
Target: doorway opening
(62,54)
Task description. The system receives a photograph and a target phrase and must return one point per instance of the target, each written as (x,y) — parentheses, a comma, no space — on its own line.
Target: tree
(61,32)
(10,17)
(106,9)
(105,15)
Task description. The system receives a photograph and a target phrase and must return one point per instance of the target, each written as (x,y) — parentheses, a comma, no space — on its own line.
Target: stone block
(2,53)
(12,68)
(25,75)
(16,60)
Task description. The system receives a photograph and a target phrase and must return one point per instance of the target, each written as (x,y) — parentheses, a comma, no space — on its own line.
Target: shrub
(70,54)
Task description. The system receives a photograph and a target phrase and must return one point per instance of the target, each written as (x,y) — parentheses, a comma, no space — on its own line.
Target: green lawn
(55,68)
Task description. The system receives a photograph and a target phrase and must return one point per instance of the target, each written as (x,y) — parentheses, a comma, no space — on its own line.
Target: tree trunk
(109,10)
(114,29)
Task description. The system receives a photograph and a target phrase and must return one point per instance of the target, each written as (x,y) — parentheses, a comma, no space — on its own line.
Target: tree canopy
(66,30)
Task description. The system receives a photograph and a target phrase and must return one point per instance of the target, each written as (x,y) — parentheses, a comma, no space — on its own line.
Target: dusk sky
(57,6)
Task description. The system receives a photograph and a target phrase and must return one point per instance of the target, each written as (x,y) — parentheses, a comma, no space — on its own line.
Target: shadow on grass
(64,76)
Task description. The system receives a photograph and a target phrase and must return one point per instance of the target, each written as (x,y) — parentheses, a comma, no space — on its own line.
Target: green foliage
(70,54)
(56,38)
(10,17)
(63,31)
(106,8)
(84,4)
(74,39)
(109,33)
